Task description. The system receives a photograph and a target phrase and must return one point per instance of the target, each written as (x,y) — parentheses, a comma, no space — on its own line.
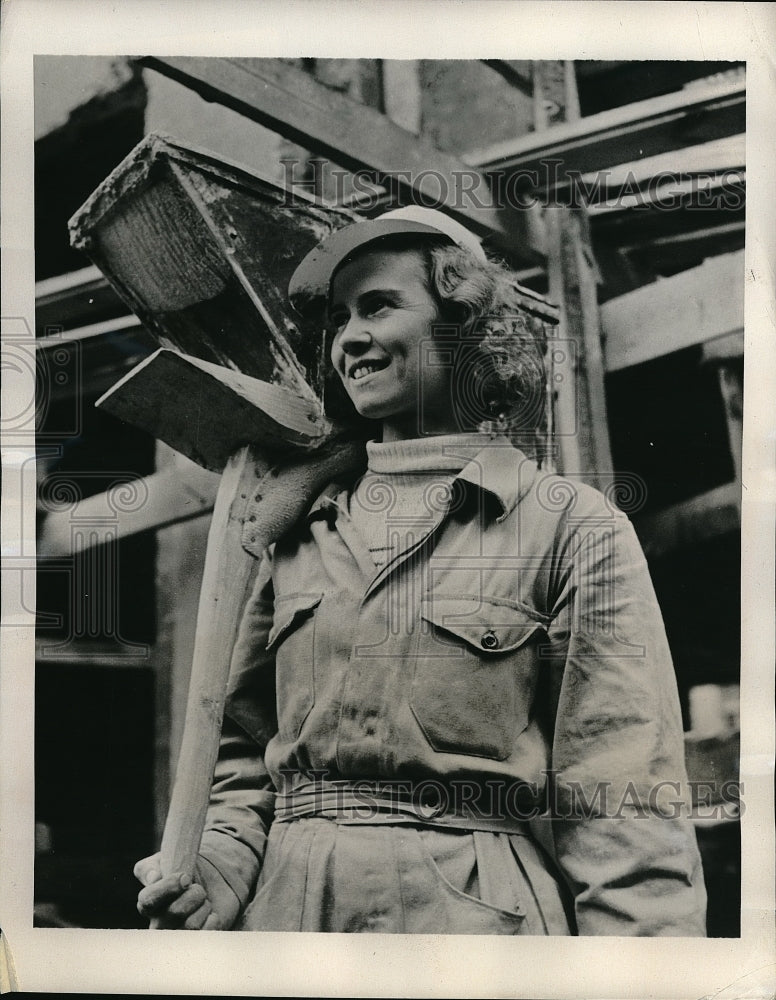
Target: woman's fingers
(188,902)
(197,920)
(158,895)
(148,870)
(173,899)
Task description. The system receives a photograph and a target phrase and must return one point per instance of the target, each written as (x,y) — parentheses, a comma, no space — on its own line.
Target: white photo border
(213,963)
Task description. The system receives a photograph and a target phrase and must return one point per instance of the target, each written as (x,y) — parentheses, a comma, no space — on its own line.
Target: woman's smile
(363,368)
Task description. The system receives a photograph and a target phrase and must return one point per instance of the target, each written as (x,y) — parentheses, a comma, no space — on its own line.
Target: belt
(367,802)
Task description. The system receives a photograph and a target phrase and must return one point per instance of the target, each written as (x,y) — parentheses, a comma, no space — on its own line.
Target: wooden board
(202,250)
(579,410)
(207,412)
(73,299)
(708,515)
(624,134)
(174,494)
(689,308)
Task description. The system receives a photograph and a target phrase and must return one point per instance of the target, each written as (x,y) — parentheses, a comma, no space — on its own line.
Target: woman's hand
(206,903)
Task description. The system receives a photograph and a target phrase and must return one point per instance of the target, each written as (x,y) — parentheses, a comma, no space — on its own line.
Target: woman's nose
(354,336)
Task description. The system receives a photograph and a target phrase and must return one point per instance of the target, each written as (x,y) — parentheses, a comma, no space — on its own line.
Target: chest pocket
(292,638)
(475,675)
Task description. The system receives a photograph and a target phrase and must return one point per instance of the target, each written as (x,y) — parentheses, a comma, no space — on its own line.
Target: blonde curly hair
(500,370)
(498,376)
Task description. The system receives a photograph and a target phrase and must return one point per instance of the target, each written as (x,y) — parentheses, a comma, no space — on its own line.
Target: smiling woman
(451,707)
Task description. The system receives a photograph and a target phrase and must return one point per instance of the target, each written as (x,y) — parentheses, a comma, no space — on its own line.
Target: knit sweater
(406,486)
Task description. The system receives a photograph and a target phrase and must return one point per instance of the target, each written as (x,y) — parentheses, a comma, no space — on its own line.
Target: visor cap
(312,277)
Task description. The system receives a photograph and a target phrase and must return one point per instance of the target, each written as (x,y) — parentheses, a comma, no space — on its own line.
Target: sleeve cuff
(237,865)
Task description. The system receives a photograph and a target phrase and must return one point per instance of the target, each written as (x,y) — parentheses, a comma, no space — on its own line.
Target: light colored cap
(312,276)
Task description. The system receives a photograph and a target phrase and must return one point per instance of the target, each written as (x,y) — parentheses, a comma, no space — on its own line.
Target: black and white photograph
(388,513)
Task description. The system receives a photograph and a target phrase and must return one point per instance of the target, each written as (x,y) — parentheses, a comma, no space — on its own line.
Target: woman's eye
(377,306)
(337,321)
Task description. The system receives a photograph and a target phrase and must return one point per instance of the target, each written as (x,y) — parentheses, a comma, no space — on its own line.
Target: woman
(452,707)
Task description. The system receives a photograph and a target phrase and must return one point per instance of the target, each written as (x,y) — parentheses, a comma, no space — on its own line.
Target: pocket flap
(290,610)
(490,626)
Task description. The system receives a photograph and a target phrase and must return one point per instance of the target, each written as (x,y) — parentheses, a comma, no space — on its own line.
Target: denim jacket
(513,656)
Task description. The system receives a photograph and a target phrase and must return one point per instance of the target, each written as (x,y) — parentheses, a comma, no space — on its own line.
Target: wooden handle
(225,583)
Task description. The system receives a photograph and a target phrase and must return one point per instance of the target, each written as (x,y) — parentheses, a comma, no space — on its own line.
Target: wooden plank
(176,493)
(731,384)
(644,257)
(727,192)
(83,280)
(330,124)
(402,94)
(120,324)
(580,425)
(517,73)
(74,299)
(728,347)
(715,157)
(698,242)
(207,411)
(705,516)
(672,313)
(628,133)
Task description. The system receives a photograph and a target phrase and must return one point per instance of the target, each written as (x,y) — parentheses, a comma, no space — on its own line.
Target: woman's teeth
(363,370)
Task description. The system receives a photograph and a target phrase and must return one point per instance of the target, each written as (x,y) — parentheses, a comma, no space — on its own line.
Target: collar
(497,468)
(502,470)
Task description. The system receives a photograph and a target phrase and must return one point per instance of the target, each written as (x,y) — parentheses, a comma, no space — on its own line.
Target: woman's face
(383,314)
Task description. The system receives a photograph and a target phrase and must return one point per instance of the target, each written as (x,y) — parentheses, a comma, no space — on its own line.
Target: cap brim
(312,277)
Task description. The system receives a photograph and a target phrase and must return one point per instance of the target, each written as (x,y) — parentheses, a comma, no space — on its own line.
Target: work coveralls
(503,692)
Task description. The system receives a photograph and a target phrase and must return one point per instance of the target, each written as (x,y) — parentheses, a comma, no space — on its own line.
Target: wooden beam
(705,516)
(719,156)
(731,384)
(631,132)
(516,72)
(84,279)
(402,93)
(729,347)
(725,192)
(74,299)
(119,324)
(330,124)
(176,493)
(702,242)
(580,421)
(667,315)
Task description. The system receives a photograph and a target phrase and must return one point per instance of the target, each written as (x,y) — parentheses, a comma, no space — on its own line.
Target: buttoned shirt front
(511,660)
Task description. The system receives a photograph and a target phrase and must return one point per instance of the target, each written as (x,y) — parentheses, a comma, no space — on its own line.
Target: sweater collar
(441,453)
(495,466)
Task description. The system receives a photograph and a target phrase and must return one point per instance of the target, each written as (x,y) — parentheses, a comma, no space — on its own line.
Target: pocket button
(489,640)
